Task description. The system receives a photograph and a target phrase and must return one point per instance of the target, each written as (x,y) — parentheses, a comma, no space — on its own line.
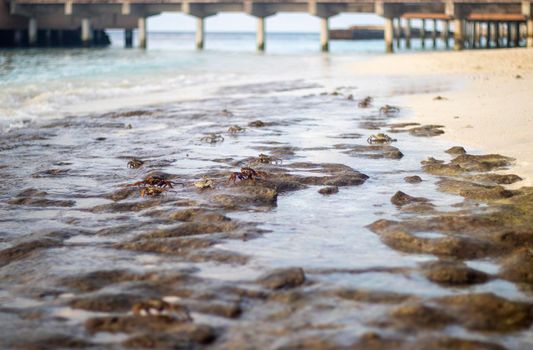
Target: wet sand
(491,109)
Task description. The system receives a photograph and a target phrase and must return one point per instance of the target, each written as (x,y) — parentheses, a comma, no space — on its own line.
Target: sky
(240,22)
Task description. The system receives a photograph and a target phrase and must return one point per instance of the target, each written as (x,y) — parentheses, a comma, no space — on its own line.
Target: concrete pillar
(507,27)
(17,37)
(497,33)
(32,32)
(434,33)
(324,34)
(389,35)
(478,34)
(48,37)
(423,33)
(398,32)
(128,38)
(516,34)
(141,27)
(86,32)
(458,38)
(529,24)
(474,35)
(408,34)
(260,35)
(200,33)
(489,35)
(446,33)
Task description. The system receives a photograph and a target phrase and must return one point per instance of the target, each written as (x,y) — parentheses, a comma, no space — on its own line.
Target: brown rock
(283,278)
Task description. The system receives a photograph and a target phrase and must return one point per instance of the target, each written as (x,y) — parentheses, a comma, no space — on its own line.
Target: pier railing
(471,23)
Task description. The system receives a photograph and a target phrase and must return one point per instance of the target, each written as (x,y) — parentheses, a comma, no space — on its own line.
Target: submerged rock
(328,190)
(415,179)
(283,278)
(400,199)
(453,273)
(427,130)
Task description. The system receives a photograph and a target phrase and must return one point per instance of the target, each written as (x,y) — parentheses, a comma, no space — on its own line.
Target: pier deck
(511,21)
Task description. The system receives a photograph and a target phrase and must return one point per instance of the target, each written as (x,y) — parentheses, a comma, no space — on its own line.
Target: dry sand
(492,110)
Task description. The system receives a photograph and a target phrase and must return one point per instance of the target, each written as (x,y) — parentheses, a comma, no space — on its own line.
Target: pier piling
(200,33)
(446,33)
(86,32)
(32,31)
(423,34)
(398,32)
(434,34)
(458,39)
(260,34)
(408,34)
(141,27)
(128,38)
(324,34)
(389,35)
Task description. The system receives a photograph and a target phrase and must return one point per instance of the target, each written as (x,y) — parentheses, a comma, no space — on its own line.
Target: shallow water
(80,159)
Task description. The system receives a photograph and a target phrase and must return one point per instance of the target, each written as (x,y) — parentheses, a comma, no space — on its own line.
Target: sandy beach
(491,110)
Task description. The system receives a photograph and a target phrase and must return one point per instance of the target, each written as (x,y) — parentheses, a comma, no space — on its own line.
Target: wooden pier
(472,23)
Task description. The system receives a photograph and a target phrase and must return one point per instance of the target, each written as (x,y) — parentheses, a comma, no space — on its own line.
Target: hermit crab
(380,138)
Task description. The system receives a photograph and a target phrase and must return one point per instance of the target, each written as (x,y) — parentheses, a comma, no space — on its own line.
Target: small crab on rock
(365,102)
(380,138)
(155,181)
(151,191)
(212,138)
(388,110)
(135,163)
(235,129)
(266,159)
(246,174)
(156,307)
(204,183)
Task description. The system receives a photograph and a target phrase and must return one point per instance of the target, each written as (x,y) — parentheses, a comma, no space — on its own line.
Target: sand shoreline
(492,110)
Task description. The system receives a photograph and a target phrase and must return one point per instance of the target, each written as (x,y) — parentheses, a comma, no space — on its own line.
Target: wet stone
(182,338)
(400,199)
(283,278)
(481,163)
(379,151)
(427,130)
(456,150)
(495,179)
(25,249)
(488,312)
(453,273)
(415,179)
(474,191)
(328,190)
(135,323)
(518,266)
(413,316)
(97,279)
(106,302)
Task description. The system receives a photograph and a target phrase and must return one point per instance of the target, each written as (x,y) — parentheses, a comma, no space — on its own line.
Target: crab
(204,183)
(156,307)
(226,113)
(151,191)
(212,138)
(245,174)
(257,124)
(380,138)
(235,129)
(388,109)
(365,102)
(154,181)
(265,159)
(135,163)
